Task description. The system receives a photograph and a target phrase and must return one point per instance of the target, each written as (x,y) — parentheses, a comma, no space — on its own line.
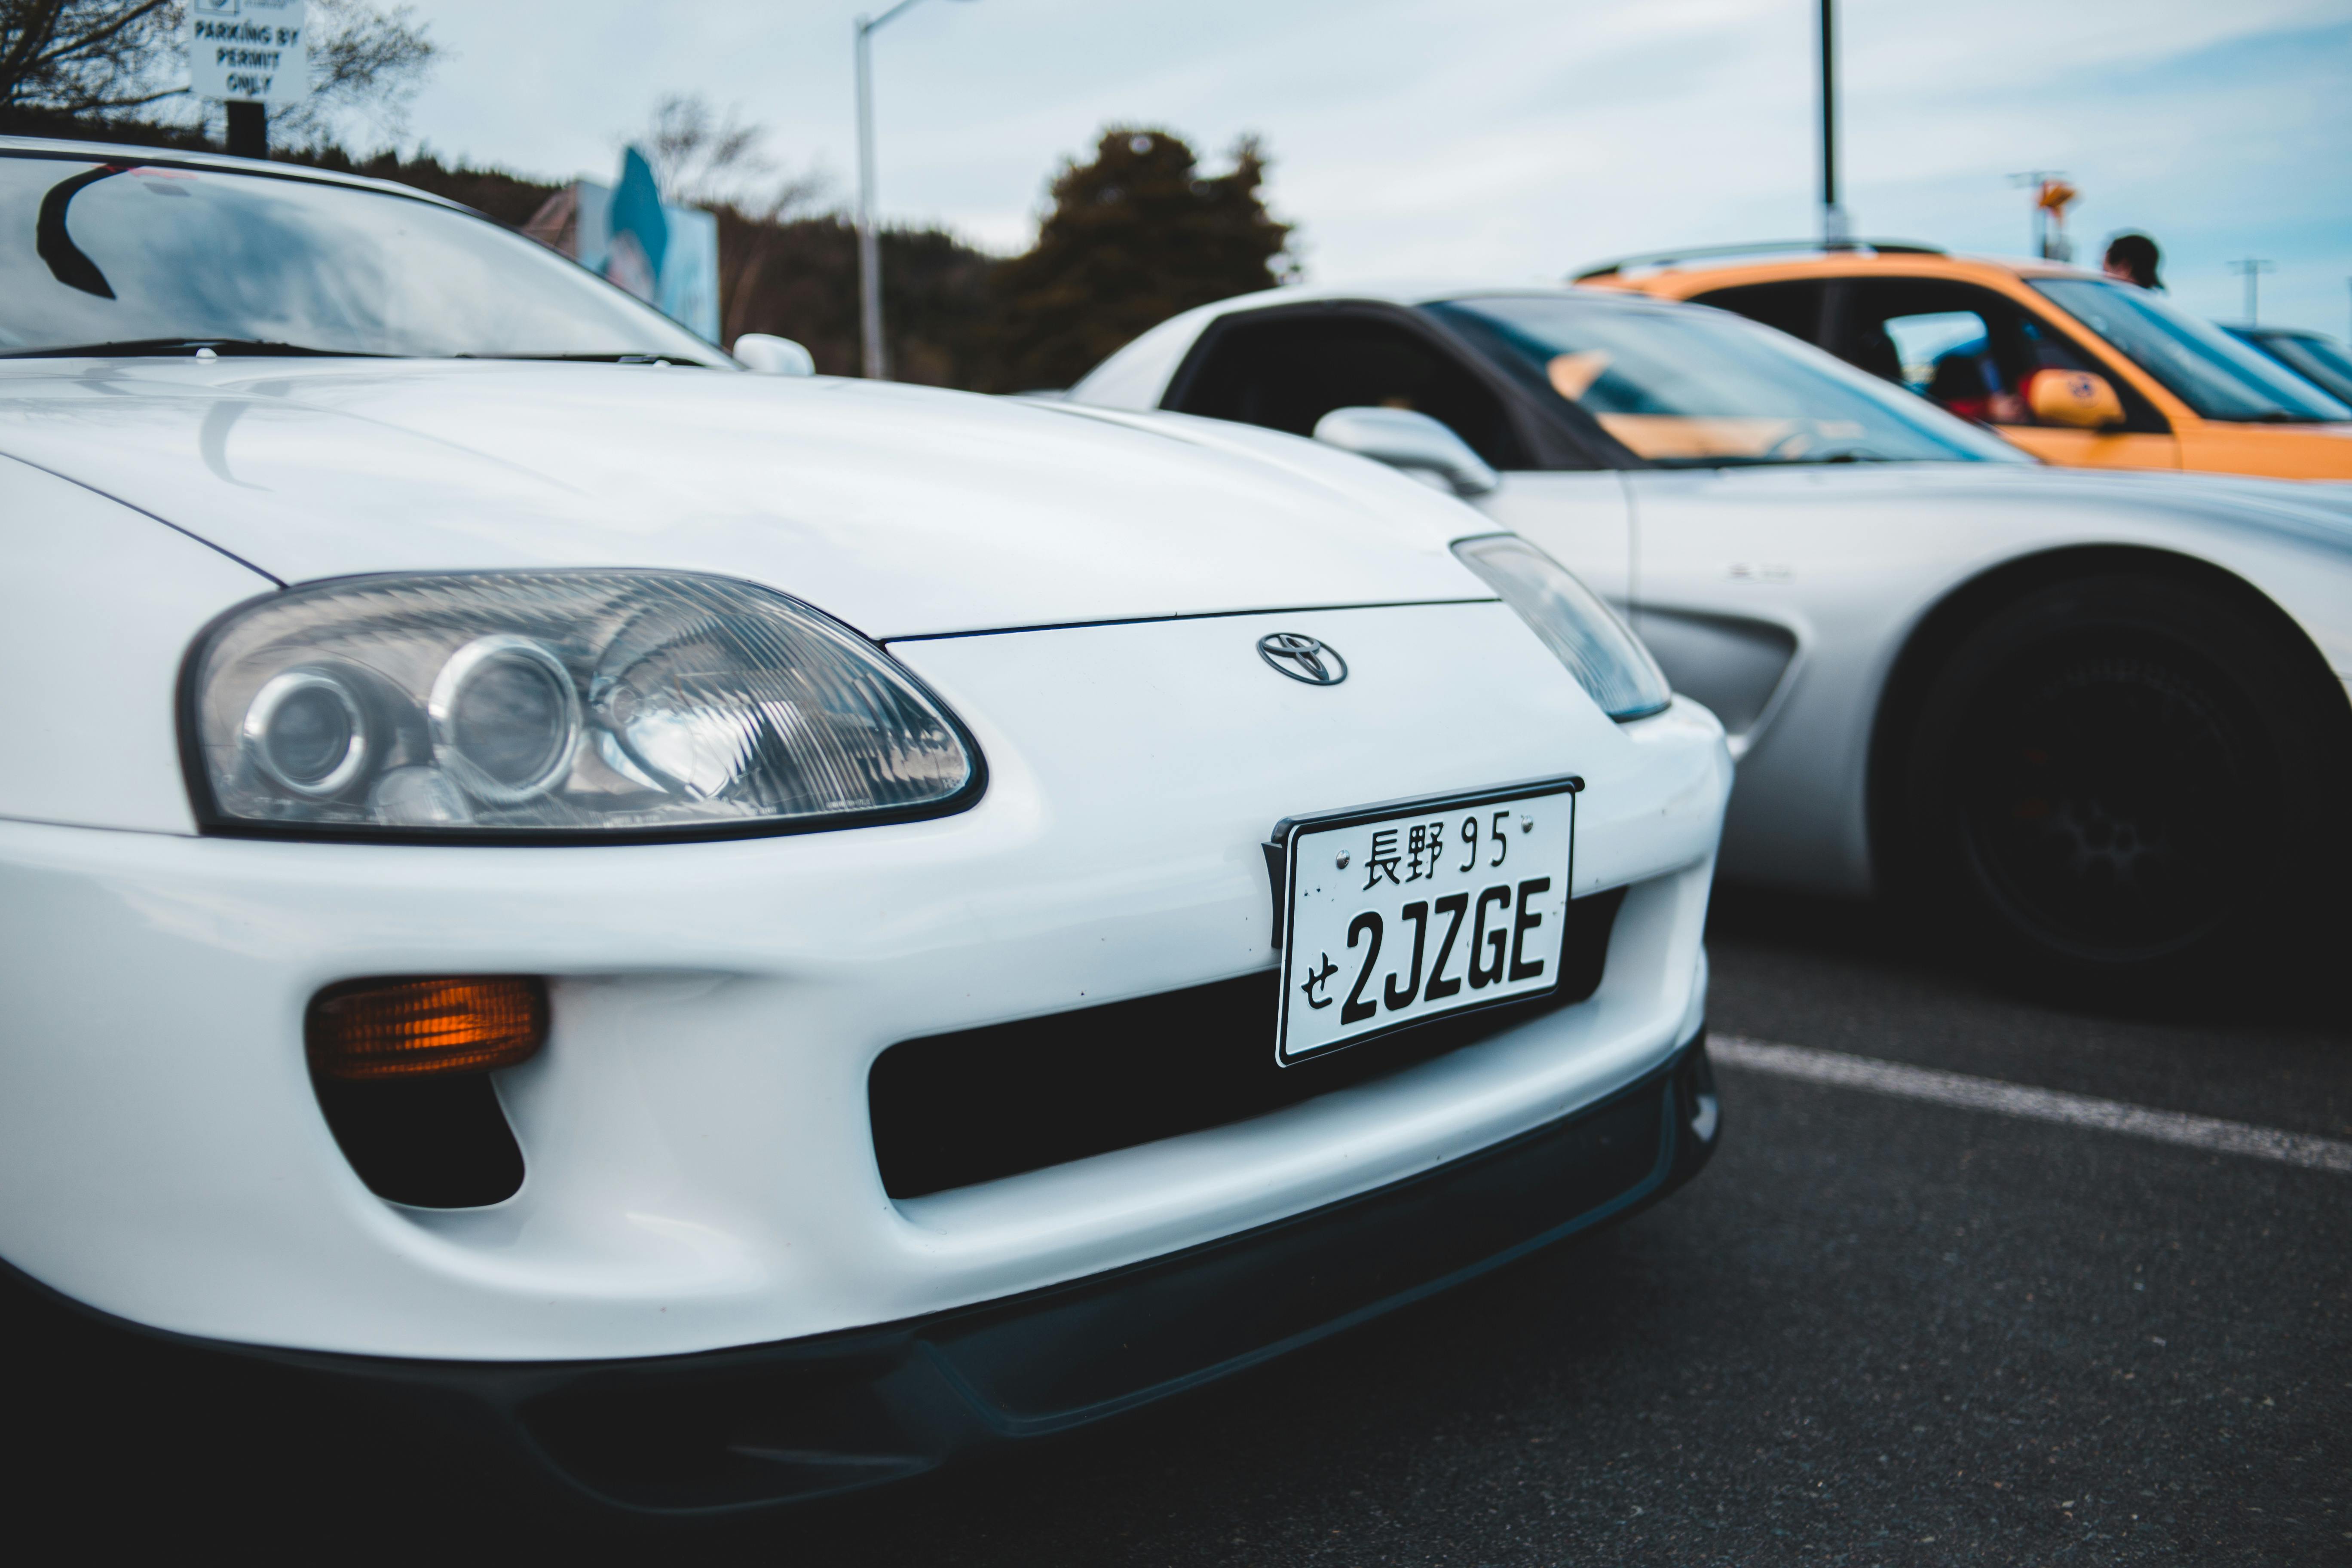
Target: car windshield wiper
(626,357)
(160,347)
(1727,461)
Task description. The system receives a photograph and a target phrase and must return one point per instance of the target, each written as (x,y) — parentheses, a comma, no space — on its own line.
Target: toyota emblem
(1302,657)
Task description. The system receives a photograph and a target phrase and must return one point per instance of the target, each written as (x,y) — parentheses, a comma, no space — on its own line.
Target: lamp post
(2251,269)
(1835,228)
(869,253)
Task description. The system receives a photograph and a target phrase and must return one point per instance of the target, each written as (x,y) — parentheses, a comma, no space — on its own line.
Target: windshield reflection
(1690,388)
(2318,360)
(2197,363)
(150,258)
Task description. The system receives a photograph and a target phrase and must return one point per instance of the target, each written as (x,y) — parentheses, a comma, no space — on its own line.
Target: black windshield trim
(173,348)
(618,357)
(129,159)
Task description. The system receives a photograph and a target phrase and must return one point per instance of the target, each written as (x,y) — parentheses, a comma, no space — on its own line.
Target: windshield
(2197,363)
(1693,388)
(162,259)
(2320,361)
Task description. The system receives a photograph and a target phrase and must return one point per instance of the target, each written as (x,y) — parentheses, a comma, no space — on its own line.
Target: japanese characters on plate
(1397,915)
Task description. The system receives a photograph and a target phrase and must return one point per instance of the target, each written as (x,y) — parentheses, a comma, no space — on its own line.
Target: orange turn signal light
(414,1026)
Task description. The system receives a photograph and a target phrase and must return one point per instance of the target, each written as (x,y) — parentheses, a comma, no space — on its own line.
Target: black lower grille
(952,1110)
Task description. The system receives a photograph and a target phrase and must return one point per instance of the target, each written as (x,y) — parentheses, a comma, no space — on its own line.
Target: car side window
(1969,349)
(1794,308)
(1947,356)
(1286,372)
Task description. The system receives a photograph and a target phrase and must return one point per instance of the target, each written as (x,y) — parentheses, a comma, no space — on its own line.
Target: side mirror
(2077,399)
(766,355)
(1413,442)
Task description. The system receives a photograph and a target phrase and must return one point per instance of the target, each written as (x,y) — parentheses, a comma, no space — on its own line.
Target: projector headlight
(559,703)
(1607,659)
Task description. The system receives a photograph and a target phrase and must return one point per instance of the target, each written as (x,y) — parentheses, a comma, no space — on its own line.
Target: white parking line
(2207,1133)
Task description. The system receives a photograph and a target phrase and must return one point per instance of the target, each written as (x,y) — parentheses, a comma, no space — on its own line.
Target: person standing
(2132,257)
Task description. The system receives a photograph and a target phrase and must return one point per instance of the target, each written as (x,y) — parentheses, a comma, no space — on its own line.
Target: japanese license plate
(1399,913)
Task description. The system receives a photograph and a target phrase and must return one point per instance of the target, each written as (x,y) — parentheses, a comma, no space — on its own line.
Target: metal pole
(2252,267)
(870,254)
(1833,227)
(248,129)
(2033,180)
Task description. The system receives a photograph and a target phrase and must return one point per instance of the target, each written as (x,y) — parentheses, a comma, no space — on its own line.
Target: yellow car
(2076,368)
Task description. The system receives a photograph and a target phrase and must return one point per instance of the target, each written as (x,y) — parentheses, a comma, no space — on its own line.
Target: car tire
(2114,786)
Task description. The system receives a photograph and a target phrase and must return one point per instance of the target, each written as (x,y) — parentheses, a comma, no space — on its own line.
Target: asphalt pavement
(1877,1330)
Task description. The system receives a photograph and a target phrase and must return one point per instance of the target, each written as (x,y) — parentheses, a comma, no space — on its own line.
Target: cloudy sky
(1503,138)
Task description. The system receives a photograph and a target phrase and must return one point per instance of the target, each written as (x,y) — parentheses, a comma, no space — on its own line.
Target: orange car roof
(1799,256)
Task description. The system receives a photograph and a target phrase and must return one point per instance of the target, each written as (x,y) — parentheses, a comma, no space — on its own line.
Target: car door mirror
(2076,399)
(1413,442)
(770,355)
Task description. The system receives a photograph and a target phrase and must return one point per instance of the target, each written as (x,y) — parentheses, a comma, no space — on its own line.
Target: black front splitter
(723,1431)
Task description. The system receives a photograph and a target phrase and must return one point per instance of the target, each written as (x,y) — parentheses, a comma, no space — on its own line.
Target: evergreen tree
(1134,236)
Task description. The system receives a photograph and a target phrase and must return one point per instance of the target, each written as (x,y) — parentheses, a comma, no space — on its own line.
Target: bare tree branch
(102,31)
(103,59)
(700,157)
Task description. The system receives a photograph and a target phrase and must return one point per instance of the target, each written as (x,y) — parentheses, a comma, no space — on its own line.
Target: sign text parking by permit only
(249,51)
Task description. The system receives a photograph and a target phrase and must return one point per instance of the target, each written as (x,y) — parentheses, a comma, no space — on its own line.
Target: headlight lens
(1599,649)
(561,703)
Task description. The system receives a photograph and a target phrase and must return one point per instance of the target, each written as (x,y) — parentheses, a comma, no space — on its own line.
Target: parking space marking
(2207,1132)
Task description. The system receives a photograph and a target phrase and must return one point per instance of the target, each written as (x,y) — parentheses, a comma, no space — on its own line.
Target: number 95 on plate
(1396,914)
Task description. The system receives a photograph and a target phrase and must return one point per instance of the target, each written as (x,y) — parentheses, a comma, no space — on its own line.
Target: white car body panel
(1784,596)
(91,722)
(1584,521)
(1847,562)
(700,1171)
(897,510)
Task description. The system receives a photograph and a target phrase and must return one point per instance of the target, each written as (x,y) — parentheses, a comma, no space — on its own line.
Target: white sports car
(756,931)
(2096,723)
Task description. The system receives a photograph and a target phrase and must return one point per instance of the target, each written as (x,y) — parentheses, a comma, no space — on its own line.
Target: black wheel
(2116,783)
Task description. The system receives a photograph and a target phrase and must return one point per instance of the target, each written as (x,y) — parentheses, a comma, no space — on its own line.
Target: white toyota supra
(750,932)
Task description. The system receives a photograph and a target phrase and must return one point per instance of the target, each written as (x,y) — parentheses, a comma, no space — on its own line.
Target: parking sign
(252,51)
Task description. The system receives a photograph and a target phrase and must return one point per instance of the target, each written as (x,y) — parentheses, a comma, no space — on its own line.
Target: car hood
(903,511)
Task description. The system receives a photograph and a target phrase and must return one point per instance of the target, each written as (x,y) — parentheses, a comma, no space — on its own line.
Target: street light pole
(2251,269)
(870,254)
(869,251)
(1833,224)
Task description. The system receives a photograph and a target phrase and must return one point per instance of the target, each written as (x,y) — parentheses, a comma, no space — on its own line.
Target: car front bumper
(701,1154)
(761,1426)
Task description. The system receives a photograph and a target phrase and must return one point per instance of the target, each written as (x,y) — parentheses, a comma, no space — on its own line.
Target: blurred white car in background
(756,931)
(2315,356)
(2099,720)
